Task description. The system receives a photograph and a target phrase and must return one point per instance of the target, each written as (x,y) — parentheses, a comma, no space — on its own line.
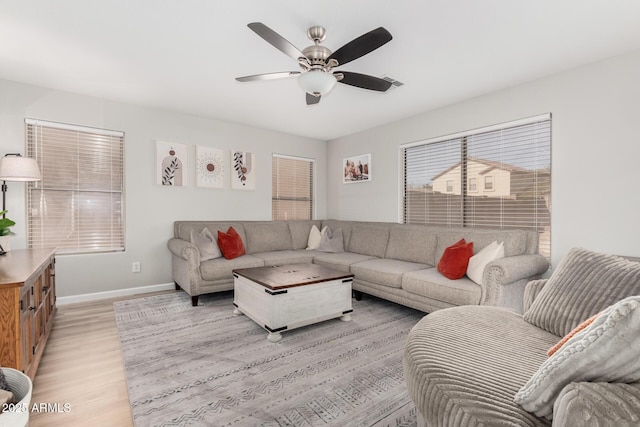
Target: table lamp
(14,167)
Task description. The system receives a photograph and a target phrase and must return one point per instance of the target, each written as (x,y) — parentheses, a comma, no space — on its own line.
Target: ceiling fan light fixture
(317,82)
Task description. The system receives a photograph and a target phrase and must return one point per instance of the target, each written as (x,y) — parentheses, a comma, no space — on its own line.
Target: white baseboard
(114,294)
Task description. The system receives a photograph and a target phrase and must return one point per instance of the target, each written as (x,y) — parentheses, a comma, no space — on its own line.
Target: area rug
(205,366)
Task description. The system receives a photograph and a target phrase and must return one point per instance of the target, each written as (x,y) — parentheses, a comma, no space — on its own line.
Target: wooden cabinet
(27,306)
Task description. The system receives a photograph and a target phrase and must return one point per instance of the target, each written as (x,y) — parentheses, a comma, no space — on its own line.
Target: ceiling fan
(317,62)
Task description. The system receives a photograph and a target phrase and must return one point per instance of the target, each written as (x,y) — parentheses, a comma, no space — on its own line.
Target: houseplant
(5,231)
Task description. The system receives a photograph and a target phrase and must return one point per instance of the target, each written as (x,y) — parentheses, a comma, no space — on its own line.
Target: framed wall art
(171,161)
(243,170)
(356,169)
(209,167)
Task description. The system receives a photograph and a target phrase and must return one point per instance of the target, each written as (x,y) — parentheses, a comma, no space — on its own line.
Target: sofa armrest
(532,290)
(598,404)
(184,249)
(510,270)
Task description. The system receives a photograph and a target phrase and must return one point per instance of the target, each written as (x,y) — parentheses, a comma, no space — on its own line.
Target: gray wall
(594,165)
(595,153)
(150,208)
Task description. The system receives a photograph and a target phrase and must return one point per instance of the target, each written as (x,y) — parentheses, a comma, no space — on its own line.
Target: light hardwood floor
(82,366)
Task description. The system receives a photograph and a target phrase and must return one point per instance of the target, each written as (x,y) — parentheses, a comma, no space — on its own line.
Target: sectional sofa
(389,260)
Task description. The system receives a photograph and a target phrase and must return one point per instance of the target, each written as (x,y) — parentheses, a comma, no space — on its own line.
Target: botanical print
(171,164)
(243,175)
(357,169)
(209,167)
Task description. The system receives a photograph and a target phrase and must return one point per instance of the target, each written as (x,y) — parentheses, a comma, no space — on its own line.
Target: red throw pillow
(455,259)
(230,243)
(570,335)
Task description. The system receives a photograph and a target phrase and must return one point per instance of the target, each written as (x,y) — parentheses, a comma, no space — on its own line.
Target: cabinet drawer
(27,307)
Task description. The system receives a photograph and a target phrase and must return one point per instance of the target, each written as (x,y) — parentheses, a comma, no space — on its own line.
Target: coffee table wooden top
(288,276)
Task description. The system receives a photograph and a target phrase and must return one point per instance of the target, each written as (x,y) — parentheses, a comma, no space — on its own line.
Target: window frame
(449,186)
(489,183)
(312,187)
(404,201)
(473,185)
(34,149)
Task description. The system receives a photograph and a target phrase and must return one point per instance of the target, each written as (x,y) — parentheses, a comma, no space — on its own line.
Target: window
(291,188)
(488,182)
(514,162)
(78,206)
(449,186)
(473,184)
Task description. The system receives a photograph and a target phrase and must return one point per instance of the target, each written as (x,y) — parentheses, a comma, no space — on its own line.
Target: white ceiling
(183,55)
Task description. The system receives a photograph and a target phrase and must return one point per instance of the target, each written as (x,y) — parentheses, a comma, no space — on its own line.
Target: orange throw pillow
(570,335)
(230,244)
(455,259)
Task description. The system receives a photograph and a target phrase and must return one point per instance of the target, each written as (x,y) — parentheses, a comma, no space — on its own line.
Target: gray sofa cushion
(386,272)
(579,401)
(369,239)
(300,232)
(285,257)
(414,243)
(430,283)
(452,385)
(340,261)
(267,236)
(584,284)
(221,268)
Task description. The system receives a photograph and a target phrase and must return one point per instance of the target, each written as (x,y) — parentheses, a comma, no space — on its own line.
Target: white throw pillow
(315,236)
(479,261)
(605,351)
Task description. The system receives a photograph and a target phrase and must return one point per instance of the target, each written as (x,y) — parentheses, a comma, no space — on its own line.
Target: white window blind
(78,206)
(511,161)
(426,200)
(292,188)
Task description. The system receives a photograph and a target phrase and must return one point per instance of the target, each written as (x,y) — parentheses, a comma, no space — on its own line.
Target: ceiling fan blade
(364,81)
(276,40)
(268,76)
(312,99)
(361,46)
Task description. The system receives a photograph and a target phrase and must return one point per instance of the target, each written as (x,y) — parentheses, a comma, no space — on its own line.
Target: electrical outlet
(135,267)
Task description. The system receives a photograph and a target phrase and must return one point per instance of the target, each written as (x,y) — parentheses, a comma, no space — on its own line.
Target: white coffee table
(281,298)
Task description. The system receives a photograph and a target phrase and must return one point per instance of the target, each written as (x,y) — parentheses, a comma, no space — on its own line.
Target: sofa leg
(194,301)
(357,295)
(177,286)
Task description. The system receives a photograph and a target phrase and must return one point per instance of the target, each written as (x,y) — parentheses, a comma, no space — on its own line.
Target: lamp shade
(18,168)
(317,82)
